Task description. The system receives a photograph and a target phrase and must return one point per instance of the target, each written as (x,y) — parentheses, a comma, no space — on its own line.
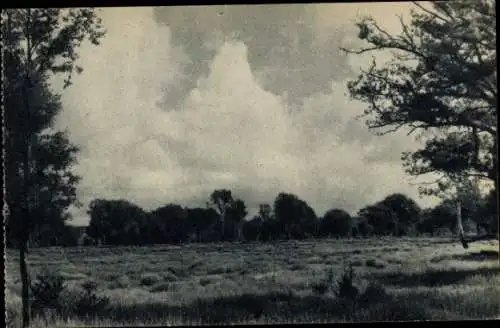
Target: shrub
(345,288)
(150,279)
(374,264)
(11,315)
(205,281)
(45,291)
(169,276)
(162,287)
(373,293)
(86,240)
(89,303)
(325,285)
(122,281)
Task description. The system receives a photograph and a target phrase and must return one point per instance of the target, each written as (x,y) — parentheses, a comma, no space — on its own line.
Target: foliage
(326,284)
(345,288)
(231,211)
(89,304)
(150,279)
(117,222)
(441,82)
(336,222)
(38,43)
(363,228)
(294,216)
(406,210)
(383,220)
(202,223)
(171,221)
(46,290)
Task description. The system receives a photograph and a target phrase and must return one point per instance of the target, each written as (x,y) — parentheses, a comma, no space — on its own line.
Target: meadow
(281,282)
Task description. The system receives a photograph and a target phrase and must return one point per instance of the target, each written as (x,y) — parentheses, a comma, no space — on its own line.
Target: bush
(49,294)
(46,291)
(89,303)
(373,293)
(345,288)
(325,285)
(150,279)
(163,287)
(374,264)
(121,281)
(169,276)
(11,315)
(86,240)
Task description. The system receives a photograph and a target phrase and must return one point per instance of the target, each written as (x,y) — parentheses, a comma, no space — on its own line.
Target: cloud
(169,112)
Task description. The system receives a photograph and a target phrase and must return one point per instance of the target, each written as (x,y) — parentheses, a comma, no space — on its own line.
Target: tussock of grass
(374,264)
(162,287)
(121,281)
(150,279)
(169,276)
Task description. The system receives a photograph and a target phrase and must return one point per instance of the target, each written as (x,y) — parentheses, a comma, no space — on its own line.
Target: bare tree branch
(435,15)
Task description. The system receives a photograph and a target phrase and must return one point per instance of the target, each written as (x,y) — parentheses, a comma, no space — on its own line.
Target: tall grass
(294,282)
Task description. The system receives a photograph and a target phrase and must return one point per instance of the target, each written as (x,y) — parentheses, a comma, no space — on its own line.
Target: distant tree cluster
(120,222)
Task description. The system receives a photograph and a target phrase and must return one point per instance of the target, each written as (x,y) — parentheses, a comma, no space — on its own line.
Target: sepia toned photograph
(250,164)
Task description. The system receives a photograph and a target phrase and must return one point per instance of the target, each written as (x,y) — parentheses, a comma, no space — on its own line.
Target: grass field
(417,279)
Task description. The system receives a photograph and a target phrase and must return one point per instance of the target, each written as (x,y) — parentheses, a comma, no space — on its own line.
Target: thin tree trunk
(223,221)
(23,247)
(23,268)
(460,227)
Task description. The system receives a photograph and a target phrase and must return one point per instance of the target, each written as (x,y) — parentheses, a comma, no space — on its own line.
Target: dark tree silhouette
(117,222)
(406,210)
(35,44)
(172,223)
(442,84)
(336,222)
(294,217)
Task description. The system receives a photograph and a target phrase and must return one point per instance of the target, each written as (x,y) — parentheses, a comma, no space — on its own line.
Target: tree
(172,223)
(237,213)
(336,222)
(294,216)
(37,43)
(231,211)
(381,218)
(486,217)
(406,210)
(269,229)
(202,222)
(53,233)
(265,211)
(252,229)
(363,228)
(221,200)
(442,84)
(117,222)
(442,216)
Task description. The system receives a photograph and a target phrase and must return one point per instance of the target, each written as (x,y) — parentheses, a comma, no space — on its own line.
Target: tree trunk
(240,231)
(460,227)
(223,223)
(23,245)
(23,268)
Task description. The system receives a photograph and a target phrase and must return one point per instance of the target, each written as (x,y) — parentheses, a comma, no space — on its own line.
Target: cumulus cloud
(170,107)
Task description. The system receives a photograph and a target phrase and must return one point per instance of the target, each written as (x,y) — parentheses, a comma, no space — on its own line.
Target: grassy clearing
(414,279)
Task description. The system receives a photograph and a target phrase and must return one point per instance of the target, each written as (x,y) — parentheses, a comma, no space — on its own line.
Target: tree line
(121,222)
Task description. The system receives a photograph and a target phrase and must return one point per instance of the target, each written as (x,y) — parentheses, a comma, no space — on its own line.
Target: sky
(179,101)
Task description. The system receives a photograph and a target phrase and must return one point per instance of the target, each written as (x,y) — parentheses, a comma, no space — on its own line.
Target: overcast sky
(179,101)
